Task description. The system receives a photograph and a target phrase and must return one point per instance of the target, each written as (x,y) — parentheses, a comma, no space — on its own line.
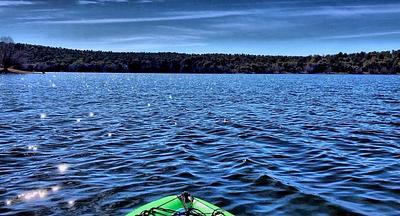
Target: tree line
(46,59)
(9,55)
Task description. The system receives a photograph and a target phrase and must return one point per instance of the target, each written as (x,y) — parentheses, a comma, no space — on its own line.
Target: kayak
(179,205)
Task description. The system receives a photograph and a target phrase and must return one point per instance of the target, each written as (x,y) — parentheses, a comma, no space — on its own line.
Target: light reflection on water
(253,144)
(71,203)
(33,195)
(62,168)
(32,147)
(55,188)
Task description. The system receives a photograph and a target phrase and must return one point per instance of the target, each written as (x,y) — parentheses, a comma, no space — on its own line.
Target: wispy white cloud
(364,35)
(343,10)
(148,1)
(173,17)
(147,42)
(153,47)
(84,2)
(39,17)
(159,38)
(252,25)
(144,1)
(186,30)
(15,3)
(47,10)
(44,14)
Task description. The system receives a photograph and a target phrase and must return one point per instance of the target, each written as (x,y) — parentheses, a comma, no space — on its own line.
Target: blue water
(83,144)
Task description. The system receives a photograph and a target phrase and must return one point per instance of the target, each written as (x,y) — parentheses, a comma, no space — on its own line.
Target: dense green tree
(42,58)
(10,54)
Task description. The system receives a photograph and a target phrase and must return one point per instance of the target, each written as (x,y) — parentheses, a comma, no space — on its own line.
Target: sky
(269,27)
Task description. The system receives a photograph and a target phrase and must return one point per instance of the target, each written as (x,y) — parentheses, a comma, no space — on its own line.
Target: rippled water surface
(83,144)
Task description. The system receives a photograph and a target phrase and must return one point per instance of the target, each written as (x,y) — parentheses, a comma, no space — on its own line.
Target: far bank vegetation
(42,58)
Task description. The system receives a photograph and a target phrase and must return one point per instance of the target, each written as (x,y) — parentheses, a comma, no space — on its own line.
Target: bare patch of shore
(17,71)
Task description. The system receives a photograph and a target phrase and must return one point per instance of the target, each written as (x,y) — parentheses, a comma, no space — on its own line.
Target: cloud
(84,2)
(253,25)
(15,3)
(343,10)
(47,10)
(170,38)
(187,31)
(148,1)
(364,35)
(39,17)
(147,42)
(157,46)
(44,14)
(174,17)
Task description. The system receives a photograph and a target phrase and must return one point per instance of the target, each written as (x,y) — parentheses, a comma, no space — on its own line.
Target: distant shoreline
(18,71)
(193,73)
(53,59)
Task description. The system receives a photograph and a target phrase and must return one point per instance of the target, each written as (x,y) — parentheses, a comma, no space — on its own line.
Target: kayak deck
(179,205)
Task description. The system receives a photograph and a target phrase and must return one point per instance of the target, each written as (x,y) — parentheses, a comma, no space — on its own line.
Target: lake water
(83,144)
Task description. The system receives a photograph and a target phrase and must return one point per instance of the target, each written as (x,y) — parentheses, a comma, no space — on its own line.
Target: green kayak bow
(180,205)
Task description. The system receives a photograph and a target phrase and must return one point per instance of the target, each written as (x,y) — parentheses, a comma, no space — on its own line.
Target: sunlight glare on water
(33,195)
(8,202)
(71,203)
(32,147)
(62,168)
(252,144)
(55,188)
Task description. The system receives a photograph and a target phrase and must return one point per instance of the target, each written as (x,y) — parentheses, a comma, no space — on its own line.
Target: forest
(51,59)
